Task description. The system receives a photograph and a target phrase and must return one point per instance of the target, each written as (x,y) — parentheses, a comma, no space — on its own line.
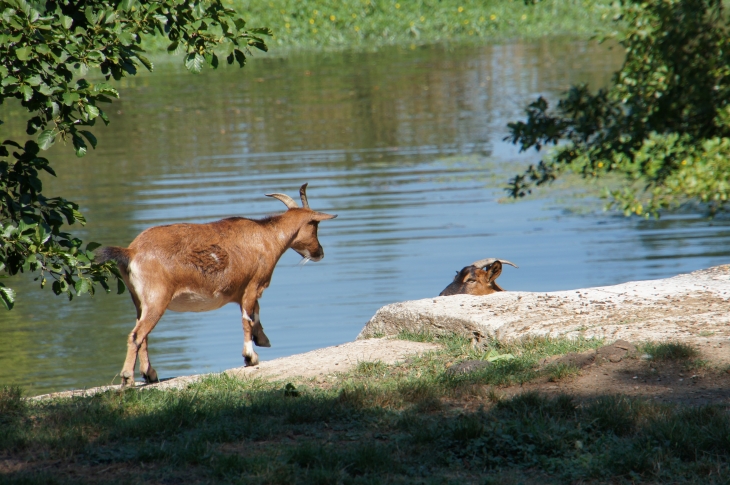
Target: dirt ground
(666,381)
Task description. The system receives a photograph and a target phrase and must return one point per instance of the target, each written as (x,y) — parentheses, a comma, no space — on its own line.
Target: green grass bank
(309,24)
(413,422)
(371,24)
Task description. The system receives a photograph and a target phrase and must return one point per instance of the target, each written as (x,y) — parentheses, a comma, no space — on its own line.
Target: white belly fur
(189,301)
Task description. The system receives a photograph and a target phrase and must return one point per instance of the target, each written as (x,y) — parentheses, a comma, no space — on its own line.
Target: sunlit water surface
(405,146)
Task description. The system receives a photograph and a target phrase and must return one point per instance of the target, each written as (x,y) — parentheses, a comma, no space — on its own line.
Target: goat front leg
(249,356)
(248,308)
(259,337)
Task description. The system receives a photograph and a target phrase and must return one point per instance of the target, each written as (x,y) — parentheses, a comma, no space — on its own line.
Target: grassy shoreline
(412,422)
(316,25)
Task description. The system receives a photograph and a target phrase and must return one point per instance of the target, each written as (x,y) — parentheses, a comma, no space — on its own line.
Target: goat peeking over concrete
(201,267)
(479,278)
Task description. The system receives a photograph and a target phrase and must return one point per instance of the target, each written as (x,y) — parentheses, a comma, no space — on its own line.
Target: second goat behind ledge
(479,278)
(201,267)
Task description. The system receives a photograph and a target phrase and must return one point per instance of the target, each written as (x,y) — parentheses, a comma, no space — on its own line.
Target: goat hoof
(127,379)
(261,340)
(151,376)
(251,361)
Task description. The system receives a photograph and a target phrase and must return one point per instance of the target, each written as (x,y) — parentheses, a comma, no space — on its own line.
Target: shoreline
(690,307)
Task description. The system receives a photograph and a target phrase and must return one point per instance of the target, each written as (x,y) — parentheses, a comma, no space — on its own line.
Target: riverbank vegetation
(409,422)
(313,24)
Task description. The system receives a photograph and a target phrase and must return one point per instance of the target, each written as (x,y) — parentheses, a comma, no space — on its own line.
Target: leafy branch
(664,123)
(46,50)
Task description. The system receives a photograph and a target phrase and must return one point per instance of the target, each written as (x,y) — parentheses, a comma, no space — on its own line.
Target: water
(405,146)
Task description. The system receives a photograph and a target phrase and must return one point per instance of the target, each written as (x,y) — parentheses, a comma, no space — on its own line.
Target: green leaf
(240,57)
(90,137)
(23,53)
(27,92)
(194,63)
(7,296)
(70,98)
(66,22)
(78,216)
(92,111)
(92,246)
(146,62)
(46,139)
(33,80)
(79,146)
(120,287)
(7,81)
(262,30)
(91,16)
(81,286)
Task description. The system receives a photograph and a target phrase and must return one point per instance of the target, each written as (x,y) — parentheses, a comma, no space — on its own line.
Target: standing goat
(201,267)
(479,278)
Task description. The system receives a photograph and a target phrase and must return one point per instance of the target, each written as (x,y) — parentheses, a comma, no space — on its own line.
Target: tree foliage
(664,122)
(47,49)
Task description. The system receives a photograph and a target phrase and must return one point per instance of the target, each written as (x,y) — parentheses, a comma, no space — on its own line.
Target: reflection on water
(404,145)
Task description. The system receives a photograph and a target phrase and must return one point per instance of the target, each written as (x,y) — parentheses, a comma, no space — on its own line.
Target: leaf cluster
(46,50)
(664,121)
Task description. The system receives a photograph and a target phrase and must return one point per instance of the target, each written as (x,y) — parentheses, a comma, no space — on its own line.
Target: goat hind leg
(136,339)
(145,367)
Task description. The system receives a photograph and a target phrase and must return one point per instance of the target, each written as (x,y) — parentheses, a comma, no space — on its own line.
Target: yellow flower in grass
(492,17)
(311,21)
(333,18)
(460,9)
(422,19)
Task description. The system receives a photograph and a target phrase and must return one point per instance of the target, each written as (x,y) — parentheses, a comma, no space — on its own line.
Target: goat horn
(288,201)
(303,195)
(486,262)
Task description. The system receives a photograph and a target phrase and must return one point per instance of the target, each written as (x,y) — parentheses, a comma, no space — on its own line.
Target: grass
(670,351)
(371,24)
(404,423)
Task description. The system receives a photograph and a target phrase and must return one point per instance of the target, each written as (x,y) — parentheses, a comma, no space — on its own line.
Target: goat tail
(113,253)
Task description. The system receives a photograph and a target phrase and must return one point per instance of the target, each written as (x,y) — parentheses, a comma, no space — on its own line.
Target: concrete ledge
(684,307)
(320,362)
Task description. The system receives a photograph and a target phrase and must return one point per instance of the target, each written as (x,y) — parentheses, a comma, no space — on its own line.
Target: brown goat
(201,267)
(479,278)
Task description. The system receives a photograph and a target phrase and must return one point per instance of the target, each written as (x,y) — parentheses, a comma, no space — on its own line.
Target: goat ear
(321,216)
(494,271)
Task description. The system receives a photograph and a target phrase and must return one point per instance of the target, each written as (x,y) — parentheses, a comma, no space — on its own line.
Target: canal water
(406,146)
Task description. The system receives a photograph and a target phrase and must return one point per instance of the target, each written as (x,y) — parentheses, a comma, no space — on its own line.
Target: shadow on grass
(397,431)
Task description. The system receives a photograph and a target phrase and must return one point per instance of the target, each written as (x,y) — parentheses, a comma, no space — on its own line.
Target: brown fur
(475,281)
(201,267)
